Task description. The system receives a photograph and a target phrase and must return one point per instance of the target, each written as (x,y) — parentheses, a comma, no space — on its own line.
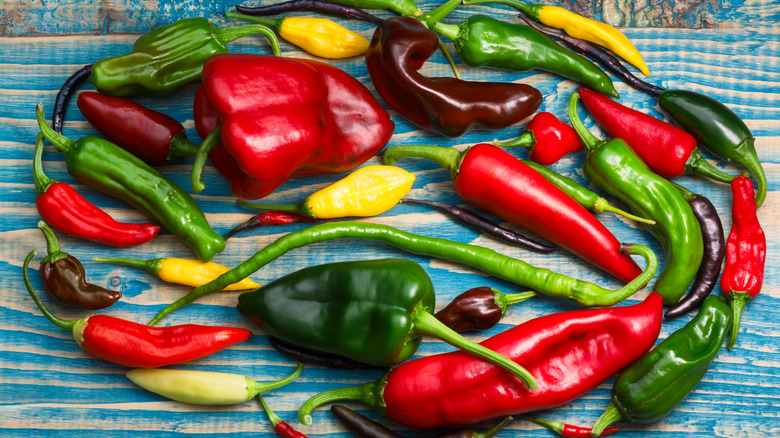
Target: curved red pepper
(285,117)
(547,139)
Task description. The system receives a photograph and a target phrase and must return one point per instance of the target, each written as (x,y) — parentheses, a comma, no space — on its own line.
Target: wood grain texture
(49,387)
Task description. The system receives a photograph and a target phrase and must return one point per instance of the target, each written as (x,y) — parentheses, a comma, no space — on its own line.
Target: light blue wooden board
(49,387)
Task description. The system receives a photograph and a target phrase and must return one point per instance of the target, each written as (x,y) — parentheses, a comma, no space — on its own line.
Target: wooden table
(49,387)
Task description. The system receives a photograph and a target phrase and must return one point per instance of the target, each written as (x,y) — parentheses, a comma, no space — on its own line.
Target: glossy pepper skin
(567,430)
(269,218)
(718,129)
(371,311)
(547,139)
(447,106)
(743,274)
(330,124)
(667,149)
(615,168)
(321,6)
(66,210)
(479,308)
(64,279)
(111,169)
(149,135)
(496,181)
(569,352)
(650,388)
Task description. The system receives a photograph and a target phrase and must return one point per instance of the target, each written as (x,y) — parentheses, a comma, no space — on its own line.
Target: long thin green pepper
(484,259)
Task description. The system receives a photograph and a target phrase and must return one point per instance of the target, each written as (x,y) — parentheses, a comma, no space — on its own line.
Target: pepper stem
(366,393)
(738,301)
(181,146)
(447,158)
(696,164)
(271,415)
(299,208)
(436,15)
(602,205)
(52,245)
(588,139)
(258,388)
(529,10)
(451,31)
(493,430)
(233,33)
(153,266)
(42,182)
(59,322)
(425,323)
(609,298)
(64,144)
(552,425)
(505,300)
(209,144)
(750,160)
(525,140)
(611,415)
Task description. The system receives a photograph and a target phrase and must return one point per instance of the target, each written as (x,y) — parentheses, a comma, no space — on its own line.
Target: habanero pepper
(491,262)
(570,353)
(492,179)
(667,149)
(372,311)
(650,388)
(615,168)
(546,138)
(137,345)
(66,210)
(63,278)
(479,308)
(112,170)
(743,274)
(283,117)
(447,106)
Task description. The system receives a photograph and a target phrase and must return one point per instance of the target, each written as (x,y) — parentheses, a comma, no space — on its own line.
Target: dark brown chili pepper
(312,357)
(322,7)
(64,279)
(479,308)
(63,96)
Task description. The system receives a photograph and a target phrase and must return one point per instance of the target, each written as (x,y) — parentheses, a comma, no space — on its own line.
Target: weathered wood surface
(49,387)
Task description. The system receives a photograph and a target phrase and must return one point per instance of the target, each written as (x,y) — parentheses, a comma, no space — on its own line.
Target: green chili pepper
(718,129)
(372,311)
(499,265)
(401,7)
(650,388)
(111,169)
(615,168)
(168,57)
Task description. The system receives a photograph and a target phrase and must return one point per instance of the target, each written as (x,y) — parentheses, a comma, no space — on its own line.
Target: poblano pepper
(373,311)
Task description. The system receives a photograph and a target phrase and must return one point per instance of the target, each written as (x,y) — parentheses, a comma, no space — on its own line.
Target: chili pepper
(547,139)
(324,7)
(508,268)
(485,41)
(331,122)
(318,36)
(61,101)
(137,345)
(315,357)
(447,106)
(578,27)
(204,387)
(650,388)
(368,191)
(615,168)
(149,135)
(482,224)
(181,271)
(494,180)
(479,308)
(743,274)
(718,129)
(62,206)
(581,194)
(567,430)
(269,218)
(64,279)
(667,149)
(570,352)
(362,427)
(111,169)
(281,427)
(712,258)
(401,7)
(597,53)
(373,311)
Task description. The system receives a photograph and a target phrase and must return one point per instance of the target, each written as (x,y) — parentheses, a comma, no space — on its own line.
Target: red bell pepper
(547,139)
(285,117)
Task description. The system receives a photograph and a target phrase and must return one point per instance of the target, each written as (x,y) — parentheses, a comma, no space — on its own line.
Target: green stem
(153,266)
(493,430)
(697,165)
(42,182)
(209,144)
(532,11)
(233,33)
(505,300)
(738,301)
(611,415)
(439,13)
(52,245)
(367,393)
(552,425)
(449,58)
(447,158)
(602,205)
(425,323)
(275,420)
(64,144)
(525,140)
(59,322)
(749,159)
(451,31)
(590,141)
(256,388)
(181,146)
(301,208)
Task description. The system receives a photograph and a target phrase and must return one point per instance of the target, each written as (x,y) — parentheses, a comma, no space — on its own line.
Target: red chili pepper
(496,181)
(149,135)
(743,275)
(137,345)
(568,353)
(281,427)
(568,430)
(270,218)
(667,149)
(547,139)
(66,210)
(285,117)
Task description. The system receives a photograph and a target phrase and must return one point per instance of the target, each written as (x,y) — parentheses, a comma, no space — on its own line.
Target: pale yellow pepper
(368,191)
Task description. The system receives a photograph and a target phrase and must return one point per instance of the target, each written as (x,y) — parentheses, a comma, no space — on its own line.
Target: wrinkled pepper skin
(447,106)
(330,123)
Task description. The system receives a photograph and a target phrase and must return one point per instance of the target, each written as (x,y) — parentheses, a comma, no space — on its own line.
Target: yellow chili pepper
(368,191)
(318,36)
(182,271)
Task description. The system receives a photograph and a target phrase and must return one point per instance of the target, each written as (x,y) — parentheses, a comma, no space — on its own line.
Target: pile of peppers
(265,119)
